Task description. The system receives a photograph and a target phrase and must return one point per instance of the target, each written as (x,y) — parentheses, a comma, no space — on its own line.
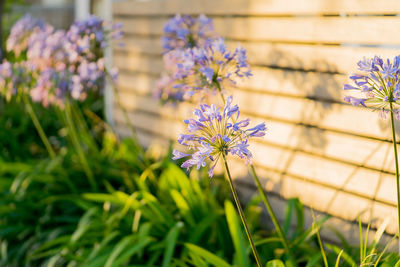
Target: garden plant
(73,193)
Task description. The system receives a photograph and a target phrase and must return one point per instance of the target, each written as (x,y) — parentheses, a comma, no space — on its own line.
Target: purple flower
(368,64)
(206,70)
(58,63)
(215,131)
(187,32)
(21,32)
(178,155)
(355,101)
(378,86)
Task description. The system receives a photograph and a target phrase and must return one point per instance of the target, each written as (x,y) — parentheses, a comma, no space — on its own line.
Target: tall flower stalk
(209,69)
(266,202)
(213,134)
(377,86)
(39,128)
(78,146)
(241,213)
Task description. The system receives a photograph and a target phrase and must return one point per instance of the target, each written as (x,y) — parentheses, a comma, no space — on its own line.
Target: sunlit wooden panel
(330,30)
(256,7)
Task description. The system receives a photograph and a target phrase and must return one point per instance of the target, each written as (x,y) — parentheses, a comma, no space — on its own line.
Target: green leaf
(288,215)
(314,260)
(170,241)
(182,206)
(126,254)
(96,250)
(338,258)
(275,263)
(310,231)
(208,256)
(100,197)
(346,257)
(235,229)
(125,249)
(83,225)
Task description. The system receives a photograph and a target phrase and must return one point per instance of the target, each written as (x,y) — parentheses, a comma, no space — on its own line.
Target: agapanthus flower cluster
(187,32)
(206,70)
(213,68)
(12,76)
(377,86)
(215,132)
(60,63)
(22,30)
(91,36)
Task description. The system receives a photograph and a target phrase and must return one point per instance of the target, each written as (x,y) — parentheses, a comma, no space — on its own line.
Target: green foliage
(145,212)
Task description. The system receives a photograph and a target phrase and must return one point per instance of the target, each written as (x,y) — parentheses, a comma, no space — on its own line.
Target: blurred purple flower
(207,70)
(58,63)
(214,68)
(22,30)
(187,32)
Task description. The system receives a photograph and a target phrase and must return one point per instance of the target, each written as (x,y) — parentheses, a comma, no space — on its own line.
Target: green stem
(235,196)
(83,128)
(319,239)
(126,117)
(270,210)
(37,125)
(264,197)
(397,167)
(220,92)
(132,129)
(77,144)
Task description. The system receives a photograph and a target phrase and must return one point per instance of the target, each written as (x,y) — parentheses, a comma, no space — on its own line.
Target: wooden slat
(329,116)
(256,7)
(137,62)
(322,58)
(364,30)
(362,151)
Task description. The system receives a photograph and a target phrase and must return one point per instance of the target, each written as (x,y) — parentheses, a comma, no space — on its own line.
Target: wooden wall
(336,158)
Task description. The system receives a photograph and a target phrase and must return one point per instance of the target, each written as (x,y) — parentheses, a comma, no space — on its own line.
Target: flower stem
(270,211)
(265,198)
(397,168)
(220,92)
(235,196)
(77,144)
(37,125)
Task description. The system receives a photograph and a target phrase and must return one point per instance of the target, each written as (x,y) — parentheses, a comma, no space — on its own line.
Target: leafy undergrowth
(145,212)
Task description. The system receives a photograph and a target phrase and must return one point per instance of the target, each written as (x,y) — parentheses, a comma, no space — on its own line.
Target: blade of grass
(208,256)
(170,242)
(346,257)
(236,234)
(338,258)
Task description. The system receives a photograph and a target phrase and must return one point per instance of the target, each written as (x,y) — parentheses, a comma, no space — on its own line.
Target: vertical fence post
(82,9)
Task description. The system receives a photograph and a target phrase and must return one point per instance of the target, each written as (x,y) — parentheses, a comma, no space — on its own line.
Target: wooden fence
(336,158)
